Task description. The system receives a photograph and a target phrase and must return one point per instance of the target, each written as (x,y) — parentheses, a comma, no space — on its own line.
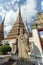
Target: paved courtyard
(11,62)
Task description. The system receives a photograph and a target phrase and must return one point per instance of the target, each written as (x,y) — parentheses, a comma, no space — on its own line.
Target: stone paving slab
(11,62)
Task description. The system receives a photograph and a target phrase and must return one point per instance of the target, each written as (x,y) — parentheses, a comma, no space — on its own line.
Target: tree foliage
(4,49)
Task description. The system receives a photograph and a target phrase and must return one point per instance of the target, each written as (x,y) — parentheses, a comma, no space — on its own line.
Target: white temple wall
(11,42)
(36,42)
(37,48)
(37,56)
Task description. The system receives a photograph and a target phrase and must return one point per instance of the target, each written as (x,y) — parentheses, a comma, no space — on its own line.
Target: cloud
(10,8)
(41,36)
(42,5)
(7,6)
(29,10)
(2,11)
(10,20)
(10,17)
(7,28)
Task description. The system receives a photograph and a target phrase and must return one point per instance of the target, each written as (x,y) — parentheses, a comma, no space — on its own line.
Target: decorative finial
(19,13)
(3,20)
(27,27)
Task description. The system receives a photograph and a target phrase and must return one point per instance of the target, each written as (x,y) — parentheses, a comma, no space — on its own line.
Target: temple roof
(38,20)
(15,31)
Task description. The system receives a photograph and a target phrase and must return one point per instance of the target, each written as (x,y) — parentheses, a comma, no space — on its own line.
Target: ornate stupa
(15,31)
(2,30)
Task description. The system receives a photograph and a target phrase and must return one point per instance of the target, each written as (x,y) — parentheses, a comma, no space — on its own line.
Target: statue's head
(21,31)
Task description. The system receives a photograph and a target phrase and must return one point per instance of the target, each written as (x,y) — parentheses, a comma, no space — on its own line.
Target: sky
(10,8)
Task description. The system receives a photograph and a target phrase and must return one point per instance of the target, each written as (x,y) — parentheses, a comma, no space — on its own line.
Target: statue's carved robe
(23,46)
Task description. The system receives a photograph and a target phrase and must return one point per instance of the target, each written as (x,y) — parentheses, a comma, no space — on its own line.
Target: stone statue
(23,45)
